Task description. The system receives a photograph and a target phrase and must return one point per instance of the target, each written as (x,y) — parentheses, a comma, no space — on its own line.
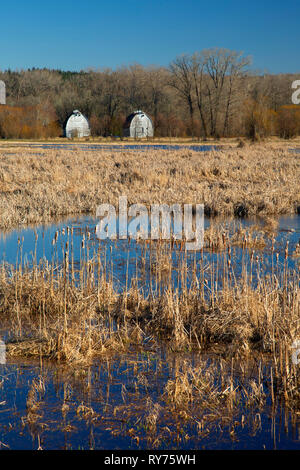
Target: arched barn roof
(77,125)
(138,124)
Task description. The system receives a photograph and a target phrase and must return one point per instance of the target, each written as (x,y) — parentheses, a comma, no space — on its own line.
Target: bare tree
(198,74)
(182,81)
(223,68)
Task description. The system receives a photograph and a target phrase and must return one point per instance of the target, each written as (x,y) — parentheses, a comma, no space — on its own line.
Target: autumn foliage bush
(288,121)
(29,122)
(259,119)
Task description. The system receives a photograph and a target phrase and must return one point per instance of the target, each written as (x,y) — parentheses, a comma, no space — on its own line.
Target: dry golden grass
(38,184)
(221,234)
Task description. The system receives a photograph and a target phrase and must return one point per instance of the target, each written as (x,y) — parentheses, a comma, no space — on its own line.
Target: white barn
(138,125)
(77,125)
(2,93)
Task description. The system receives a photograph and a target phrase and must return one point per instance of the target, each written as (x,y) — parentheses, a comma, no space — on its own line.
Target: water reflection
(123,403)
(129,261)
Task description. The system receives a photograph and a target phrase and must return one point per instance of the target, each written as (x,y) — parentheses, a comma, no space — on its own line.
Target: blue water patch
(106,405)
(125,262)
(116,147)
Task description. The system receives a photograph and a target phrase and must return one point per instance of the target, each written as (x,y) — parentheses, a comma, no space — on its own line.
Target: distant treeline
(211,93)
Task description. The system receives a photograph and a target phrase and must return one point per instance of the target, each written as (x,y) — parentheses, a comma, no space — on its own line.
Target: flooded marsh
(141,344)
(136,344)
(144,401)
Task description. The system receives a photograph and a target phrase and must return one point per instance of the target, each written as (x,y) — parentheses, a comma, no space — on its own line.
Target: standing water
(154,397)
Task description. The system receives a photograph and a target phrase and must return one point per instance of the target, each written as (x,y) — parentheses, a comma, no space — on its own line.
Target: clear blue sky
(75,35)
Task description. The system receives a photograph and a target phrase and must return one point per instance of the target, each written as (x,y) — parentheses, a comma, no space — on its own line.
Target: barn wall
(77,126)
(140,126)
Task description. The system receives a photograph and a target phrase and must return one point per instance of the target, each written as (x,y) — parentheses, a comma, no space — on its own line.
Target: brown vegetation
(211,93)
(28,122)
(252,180)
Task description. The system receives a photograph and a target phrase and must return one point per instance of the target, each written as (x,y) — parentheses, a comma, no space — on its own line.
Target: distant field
(37,184)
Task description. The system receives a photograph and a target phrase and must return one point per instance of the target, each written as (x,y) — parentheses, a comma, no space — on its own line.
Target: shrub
(288,121)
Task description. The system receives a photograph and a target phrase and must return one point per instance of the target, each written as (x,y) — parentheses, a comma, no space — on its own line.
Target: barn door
(138,132)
